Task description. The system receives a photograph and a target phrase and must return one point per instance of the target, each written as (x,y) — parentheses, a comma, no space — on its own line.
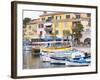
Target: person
(86,54)
(48,44)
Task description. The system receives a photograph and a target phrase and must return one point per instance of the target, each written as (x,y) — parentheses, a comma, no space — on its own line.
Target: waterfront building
(58,24)
(30,30)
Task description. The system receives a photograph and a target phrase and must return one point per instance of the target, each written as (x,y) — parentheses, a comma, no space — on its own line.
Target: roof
(58,13)
(51,14)
(34,21)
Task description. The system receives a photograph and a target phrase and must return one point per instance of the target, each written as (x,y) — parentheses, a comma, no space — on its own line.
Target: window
(89,22)
(24,26)
(56,17)
(87,30)
(43,19)
(52,17)
(88,15)
(40,26)
(67,16)
(78,16)
(60,17)
(49,19)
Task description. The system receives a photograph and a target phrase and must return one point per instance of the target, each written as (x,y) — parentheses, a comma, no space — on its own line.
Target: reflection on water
(34,62)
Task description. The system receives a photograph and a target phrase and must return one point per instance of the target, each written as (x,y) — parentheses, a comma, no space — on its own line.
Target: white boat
(71,62)
(48,53)
(70,58)
(45,58)
(60,62)
(80,62)
(27,48)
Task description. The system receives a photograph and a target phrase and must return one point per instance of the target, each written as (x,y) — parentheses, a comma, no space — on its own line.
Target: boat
(48,53)
(58,52)
(82,61)
(65,56)
(71,62)
(27,45)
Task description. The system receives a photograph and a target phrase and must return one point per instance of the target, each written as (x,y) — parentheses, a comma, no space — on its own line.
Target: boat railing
(50,44)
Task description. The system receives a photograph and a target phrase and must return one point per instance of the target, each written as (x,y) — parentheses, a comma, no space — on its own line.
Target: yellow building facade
(54,23)
(61,21)
(30,31)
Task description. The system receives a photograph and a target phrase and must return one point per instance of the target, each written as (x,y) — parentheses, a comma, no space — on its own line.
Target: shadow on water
(32,60)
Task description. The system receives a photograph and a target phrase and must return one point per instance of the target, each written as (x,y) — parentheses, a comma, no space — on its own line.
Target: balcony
(47,29)
(47,24)
(49,19)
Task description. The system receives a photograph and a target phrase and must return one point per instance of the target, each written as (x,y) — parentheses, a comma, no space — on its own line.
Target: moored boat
(65,57)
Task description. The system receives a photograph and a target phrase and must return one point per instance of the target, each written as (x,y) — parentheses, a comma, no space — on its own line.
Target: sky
(32,14)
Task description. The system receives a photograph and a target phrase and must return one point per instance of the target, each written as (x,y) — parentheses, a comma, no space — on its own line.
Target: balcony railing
(48,29)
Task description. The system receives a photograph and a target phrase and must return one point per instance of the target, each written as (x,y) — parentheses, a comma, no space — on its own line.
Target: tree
(66,34)
(26,20)
(77,32)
